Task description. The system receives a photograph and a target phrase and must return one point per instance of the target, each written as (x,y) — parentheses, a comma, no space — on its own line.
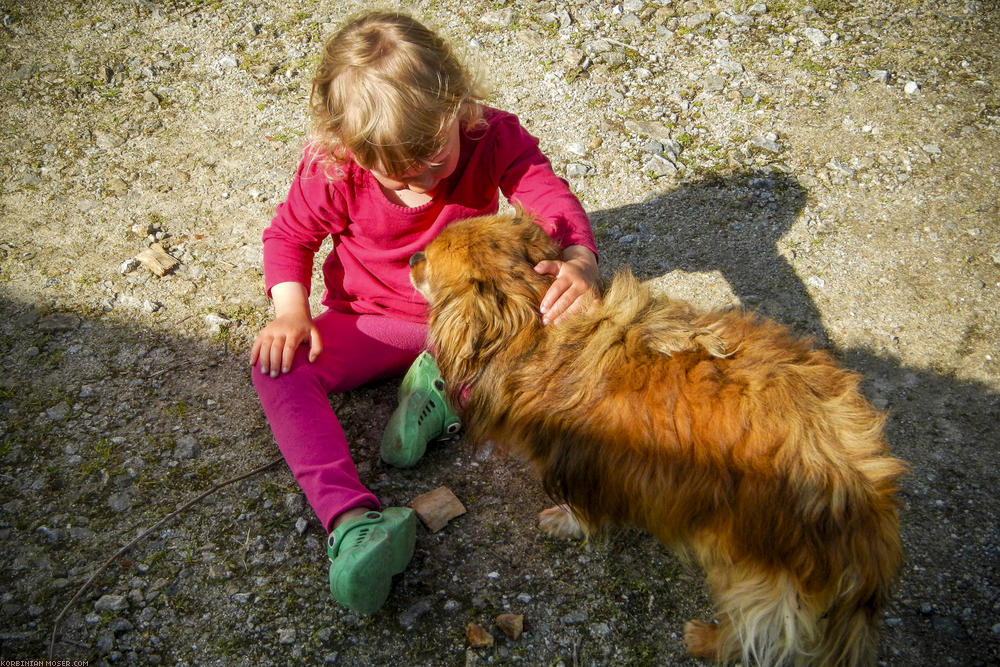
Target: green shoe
(423,414)
(365,552)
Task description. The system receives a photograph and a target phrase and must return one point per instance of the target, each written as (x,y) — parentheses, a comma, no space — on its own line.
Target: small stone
(769,143)
(713,83)
(911,88)
(286,636)
(128,266)
(653,146)
(576,617)
(58,412)
(816,36)
(740,19)
(511,624)
(880,75)
(301,525)
(293,502)
(658,166)
(108,141)
(156,259)
(696,20)
(105,642)
(186,448)
(436,508)
(111,603)
(500,19)
(576,170)
(228,62)
(477,636)
(577,148)
(408,619)
(120,502)
(216,323)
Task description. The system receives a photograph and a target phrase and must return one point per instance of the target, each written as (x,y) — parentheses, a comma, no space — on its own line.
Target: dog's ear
(535,243)
(485,318)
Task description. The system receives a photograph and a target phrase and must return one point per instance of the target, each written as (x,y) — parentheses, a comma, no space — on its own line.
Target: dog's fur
(720,433)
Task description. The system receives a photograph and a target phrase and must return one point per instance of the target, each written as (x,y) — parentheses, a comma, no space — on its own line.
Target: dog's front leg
(559,521)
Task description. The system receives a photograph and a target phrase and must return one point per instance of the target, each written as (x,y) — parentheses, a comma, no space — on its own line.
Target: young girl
(401,147)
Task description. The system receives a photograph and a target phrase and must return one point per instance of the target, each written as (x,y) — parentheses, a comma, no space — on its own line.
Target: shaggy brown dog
(720,433)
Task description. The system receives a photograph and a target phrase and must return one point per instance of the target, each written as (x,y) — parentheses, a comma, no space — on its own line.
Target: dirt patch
(833,166)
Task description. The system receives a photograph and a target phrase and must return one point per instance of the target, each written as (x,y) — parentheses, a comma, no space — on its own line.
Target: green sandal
(423,414)
(365,552)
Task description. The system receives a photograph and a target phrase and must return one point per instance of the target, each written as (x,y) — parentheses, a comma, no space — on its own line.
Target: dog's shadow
(732,233)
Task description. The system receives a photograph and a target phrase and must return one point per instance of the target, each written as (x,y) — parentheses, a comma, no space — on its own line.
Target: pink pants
(356,349)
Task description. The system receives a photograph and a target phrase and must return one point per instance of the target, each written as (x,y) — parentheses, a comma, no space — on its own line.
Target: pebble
(408,619)
(911,88)
(216,323)
(286,636)
(111,603)
(659,166)
(768,142)
(120,502)
(816,36)
(187,447)
(576,617)
(696,20)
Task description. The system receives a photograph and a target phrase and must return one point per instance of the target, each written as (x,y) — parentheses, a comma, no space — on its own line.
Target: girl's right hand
(276,344)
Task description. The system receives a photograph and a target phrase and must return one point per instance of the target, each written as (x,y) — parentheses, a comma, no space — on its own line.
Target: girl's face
(426,178)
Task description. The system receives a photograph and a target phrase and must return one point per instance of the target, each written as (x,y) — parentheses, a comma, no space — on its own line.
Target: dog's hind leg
(702,639)
(559,521)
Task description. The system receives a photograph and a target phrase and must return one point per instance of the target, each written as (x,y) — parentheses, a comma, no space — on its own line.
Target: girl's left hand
(575,282)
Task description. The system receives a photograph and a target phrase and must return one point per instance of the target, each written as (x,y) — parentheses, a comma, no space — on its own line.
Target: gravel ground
(834,166)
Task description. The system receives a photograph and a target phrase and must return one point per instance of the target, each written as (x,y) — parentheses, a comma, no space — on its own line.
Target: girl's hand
(276,344)
(576,280)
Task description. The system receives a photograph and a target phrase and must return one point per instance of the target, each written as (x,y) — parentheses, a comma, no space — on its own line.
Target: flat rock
(436,508)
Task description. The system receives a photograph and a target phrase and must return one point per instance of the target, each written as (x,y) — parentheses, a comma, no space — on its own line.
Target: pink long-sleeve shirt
(367,270)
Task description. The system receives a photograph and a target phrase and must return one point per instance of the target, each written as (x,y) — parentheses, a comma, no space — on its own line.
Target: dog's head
(478,277)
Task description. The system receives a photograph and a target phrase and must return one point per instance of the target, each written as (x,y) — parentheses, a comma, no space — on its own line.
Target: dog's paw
(559,521)
(701,639)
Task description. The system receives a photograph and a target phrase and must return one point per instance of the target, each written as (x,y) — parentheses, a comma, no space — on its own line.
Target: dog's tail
(814,591)
(766,618)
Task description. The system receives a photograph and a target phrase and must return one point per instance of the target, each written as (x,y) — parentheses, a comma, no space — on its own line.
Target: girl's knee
(301,370)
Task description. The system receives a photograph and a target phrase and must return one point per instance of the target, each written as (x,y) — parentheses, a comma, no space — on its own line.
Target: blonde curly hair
(387,91)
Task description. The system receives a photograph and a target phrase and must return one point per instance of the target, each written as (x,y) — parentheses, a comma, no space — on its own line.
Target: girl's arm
(276,344)
(526,177)
(301,223)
